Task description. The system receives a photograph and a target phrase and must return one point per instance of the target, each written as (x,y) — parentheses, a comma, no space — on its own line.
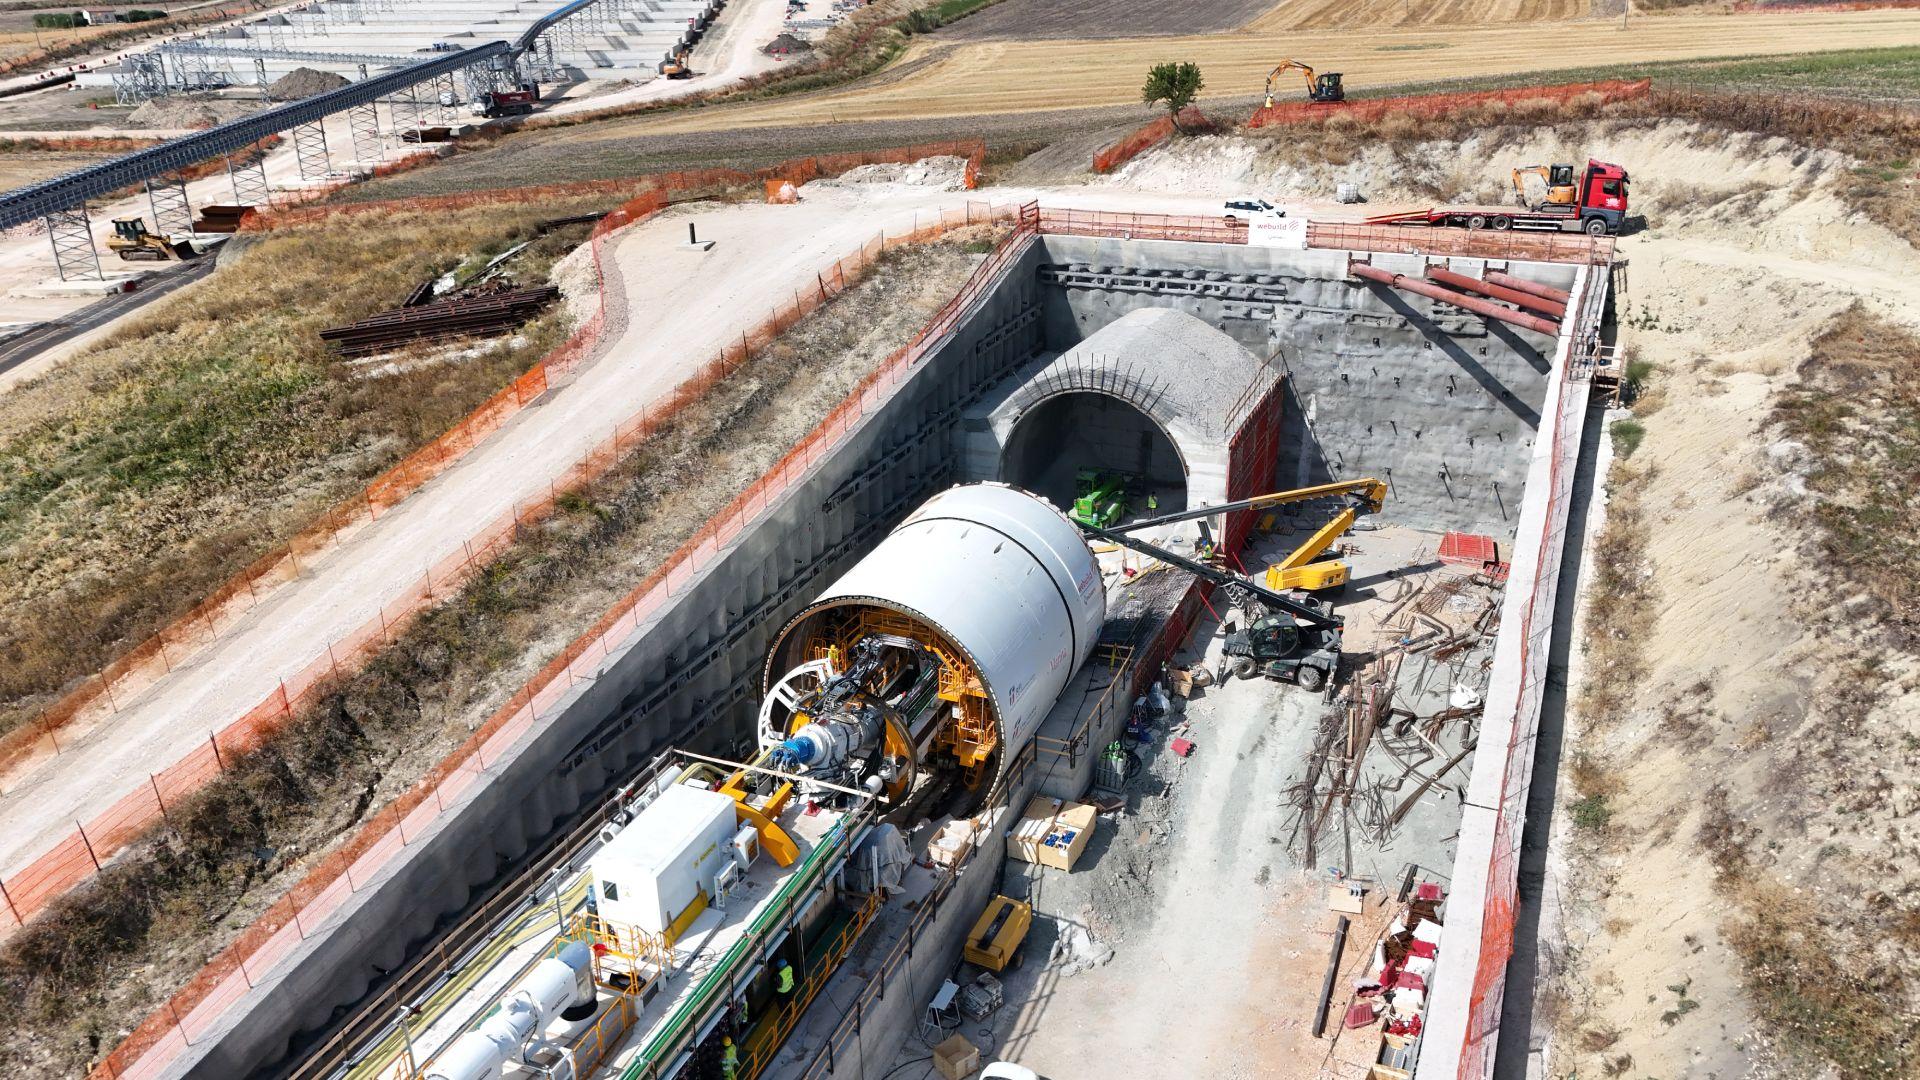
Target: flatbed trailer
(1501,219)
(1599,209)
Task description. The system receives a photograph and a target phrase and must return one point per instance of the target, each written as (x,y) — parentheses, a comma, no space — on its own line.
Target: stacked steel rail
(438,322)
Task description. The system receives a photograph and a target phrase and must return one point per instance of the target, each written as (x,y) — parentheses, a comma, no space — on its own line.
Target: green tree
(1173,85)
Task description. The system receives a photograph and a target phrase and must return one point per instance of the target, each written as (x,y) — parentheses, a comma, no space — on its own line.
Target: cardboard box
(953,840)
(1052,833)
(956,1058)
(1180,681)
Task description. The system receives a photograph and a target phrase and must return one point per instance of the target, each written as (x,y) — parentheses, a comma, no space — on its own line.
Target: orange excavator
(1324,88)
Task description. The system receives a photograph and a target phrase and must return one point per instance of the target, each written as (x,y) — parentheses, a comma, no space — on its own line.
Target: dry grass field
(18,168)
(19,43)
(139,475)
(977,78)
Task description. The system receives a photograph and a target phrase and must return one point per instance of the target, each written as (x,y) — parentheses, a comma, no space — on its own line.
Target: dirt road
(680,306)
(729,54)
(998,77)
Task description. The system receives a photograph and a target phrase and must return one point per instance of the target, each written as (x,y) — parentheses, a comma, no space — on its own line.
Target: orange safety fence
(1131,226)
(1111,157)
(1436,105)
(196,1008)
(1558,247)
(1495,941)
(797,170)
(1357,236)
(76,857)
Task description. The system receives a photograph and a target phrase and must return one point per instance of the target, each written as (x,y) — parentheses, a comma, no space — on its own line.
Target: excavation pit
(1467,423)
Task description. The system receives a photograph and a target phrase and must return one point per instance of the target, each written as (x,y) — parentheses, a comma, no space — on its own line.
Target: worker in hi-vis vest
(783,979)
(729,1058)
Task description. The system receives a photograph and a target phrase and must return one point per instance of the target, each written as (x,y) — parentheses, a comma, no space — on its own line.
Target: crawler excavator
(1324,89)
(1537,187)
(1291,640)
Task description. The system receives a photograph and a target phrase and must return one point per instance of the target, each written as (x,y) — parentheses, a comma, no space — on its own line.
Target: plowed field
(1339,14)
(1036,20)
(985,78)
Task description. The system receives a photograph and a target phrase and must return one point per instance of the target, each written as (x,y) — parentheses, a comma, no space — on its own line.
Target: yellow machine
(131,241)
(1300,570)
(1325,89)
(998,932)
(1539,186)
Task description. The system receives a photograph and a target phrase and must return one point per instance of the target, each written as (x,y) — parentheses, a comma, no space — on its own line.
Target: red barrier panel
(1109,158)
(1369,110)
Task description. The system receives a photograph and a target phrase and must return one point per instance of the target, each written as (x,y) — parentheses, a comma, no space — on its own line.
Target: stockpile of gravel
(169,113)
(787,43)
(304,83)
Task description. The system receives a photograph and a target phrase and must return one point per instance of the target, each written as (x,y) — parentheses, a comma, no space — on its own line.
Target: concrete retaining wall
(1441,403)
(689,677)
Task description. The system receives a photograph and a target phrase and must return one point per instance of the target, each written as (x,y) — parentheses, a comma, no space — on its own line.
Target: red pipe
(1459,300)
(1547,292)
(1498,292)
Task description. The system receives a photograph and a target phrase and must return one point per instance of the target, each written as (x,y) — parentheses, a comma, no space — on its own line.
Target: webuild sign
(1286,232)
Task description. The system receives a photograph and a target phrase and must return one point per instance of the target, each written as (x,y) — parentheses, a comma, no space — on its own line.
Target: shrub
(1592,813)
(1627,435)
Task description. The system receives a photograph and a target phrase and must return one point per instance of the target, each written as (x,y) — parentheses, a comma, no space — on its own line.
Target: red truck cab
(1603,197)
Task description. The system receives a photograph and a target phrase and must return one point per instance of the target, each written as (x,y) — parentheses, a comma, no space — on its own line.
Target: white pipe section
(553,985)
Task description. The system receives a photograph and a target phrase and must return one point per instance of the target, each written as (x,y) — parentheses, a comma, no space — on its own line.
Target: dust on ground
(1193,931)
(19,168)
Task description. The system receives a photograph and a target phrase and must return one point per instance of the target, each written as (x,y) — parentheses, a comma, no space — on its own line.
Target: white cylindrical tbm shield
(1002,576)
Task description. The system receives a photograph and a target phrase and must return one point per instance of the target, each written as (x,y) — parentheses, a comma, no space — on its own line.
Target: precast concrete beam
(1458,299)
(1527,286)
(1517,297)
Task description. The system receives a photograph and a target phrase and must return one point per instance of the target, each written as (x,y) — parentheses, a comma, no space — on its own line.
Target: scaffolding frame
(310,150)
(249,179)
(144,79)
(448,95)
(167,198)
(74,254)
(34,201)
(364,123)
